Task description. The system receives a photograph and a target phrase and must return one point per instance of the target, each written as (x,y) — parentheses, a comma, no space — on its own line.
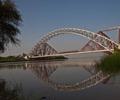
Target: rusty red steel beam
(99,47)
(94,44)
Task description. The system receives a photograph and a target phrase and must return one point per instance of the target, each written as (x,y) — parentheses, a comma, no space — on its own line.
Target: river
(73,79)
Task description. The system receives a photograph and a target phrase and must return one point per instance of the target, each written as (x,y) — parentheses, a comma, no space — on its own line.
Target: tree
(10,19)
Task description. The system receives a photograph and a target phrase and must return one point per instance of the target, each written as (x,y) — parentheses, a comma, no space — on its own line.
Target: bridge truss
(97,41)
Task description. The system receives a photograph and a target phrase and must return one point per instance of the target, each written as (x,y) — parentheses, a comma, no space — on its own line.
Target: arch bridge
(98,42)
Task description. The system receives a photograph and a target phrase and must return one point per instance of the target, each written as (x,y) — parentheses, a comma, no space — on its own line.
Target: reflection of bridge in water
(45,69)
(87,83)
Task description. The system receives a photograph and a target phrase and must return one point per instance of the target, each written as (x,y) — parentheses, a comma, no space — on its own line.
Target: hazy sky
(42,16)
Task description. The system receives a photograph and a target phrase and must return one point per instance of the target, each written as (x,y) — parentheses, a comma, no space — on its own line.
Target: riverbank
(49,58)
(11,59)
(20,59)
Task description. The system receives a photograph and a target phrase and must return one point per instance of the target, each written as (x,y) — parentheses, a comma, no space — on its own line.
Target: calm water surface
(72,79)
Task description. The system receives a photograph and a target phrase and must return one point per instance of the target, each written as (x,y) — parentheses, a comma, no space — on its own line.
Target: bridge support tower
(119,39)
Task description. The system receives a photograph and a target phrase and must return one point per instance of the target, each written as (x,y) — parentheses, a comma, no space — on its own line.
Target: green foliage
(10,19)
(111,63)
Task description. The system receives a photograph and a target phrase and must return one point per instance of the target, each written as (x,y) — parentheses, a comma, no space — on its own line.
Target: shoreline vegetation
(20,59)
(11,59)
(110,64)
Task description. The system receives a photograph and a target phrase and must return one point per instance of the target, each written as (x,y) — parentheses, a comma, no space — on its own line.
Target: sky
(42,16)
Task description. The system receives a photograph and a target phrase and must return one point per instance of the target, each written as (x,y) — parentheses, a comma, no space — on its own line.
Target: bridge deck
(73,53)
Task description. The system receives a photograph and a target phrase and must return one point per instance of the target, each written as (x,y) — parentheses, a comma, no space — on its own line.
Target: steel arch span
(101,40)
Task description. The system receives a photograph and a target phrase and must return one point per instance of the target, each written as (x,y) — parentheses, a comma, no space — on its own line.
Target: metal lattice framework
(43,48)
(92,45)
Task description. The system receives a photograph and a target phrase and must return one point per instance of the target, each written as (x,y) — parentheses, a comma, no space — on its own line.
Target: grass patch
(110,64)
